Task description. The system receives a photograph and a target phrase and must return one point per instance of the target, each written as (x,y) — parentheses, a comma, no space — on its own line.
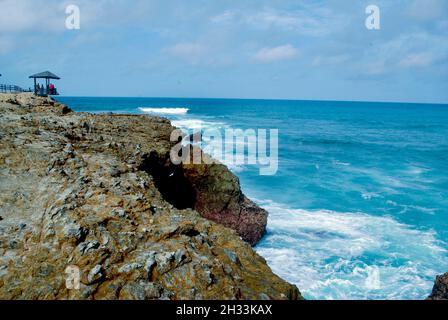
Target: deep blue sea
(359,206)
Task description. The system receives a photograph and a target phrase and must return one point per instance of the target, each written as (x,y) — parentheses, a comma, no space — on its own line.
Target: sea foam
(189,124)
(165,110)
(334,255)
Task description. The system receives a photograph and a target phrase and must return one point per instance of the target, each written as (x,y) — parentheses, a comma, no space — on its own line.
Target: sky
(277,49)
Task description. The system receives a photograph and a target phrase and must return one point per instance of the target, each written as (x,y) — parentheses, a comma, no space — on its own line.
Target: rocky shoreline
(98,193)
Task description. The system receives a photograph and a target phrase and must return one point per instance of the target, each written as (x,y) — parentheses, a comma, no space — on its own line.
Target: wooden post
(35,88)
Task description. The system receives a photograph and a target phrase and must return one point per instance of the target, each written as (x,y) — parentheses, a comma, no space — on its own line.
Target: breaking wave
(165,110)
(334,255)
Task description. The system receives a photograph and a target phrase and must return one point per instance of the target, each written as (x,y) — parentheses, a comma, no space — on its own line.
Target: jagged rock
(130,235)
(95,274)
(86,246)
(150,263)
(141,291)
(153,290)
(120,213)
(130,267)
(233,256)
(164,261)
(440,290)
(179,256)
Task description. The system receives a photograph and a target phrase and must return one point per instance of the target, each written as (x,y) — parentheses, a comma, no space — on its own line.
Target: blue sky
(232,49)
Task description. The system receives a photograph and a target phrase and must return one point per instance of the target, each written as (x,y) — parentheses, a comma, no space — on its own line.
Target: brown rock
(440,290)
(131,232)
(219,198)
(210,189)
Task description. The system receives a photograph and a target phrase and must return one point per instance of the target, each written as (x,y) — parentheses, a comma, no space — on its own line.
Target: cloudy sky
(310,49)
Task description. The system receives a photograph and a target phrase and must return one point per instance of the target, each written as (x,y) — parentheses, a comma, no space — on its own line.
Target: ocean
(359,205)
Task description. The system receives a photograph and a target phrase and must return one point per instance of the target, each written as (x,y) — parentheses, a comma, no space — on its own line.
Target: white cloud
(36,16)
(411,50)
(423,59)
(308,20)
(284,52)
(283,20)
(225,17)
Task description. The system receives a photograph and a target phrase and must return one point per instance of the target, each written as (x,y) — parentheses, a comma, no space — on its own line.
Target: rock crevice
(210,189)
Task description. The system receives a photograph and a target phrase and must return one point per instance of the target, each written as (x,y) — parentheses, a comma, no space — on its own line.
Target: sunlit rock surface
(91,192)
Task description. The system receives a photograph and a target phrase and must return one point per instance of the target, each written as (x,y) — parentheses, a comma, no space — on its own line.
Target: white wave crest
(165,110)
(189,124)
(334,255)
(197,124)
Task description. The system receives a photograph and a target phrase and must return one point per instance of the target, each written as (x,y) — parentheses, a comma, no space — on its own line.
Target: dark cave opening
(170,181)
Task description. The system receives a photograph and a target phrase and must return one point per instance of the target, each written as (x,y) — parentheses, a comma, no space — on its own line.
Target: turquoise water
(359,206)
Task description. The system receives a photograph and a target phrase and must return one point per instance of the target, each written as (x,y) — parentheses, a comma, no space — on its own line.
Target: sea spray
(351,255)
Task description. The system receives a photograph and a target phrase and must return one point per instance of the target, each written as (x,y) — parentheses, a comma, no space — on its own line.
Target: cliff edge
(96,196)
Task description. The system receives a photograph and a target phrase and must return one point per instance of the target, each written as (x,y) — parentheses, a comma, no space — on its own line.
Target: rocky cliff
(440,290)
(97,193)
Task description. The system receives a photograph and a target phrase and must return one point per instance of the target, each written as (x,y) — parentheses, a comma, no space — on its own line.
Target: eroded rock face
(79,190)
(219,198)
(440,290)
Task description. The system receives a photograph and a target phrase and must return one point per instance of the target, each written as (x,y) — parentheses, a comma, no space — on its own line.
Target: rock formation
(440,290)
(210,189)
(97,194)
(218,197)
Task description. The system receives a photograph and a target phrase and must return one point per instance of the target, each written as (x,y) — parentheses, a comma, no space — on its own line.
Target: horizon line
(260,99)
